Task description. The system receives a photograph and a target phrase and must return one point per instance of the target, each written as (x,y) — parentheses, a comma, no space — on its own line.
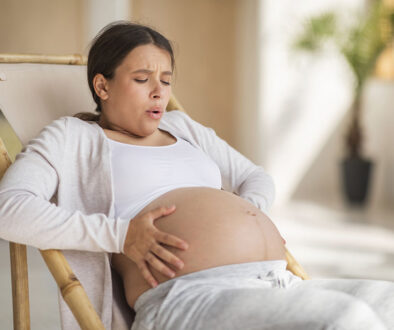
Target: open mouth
(155,114)
(155,110)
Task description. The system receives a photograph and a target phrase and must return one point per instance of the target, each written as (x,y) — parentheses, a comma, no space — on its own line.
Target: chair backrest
(32,95)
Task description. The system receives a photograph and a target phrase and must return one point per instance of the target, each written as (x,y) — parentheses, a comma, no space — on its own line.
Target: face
(141,84)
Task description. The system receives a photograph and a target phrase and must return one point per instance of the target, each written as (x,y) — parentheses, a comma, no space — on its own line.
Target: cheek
(168,93)
(139,90)
(134,94)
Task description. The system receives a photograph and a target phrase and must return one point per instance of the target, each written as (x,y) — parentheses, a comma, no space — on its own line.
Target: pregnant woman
(175,211)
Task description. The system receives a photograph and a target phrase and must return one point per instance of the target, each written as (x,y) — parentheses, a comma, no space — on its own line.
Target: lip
(159,109)
(155,112)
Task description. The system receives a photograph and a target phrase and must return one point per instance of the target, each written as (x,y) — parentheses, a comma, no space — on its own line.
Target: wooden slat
(18,260)
(295,267)
(72,290)
(73,59)
(20,287)
(5,160)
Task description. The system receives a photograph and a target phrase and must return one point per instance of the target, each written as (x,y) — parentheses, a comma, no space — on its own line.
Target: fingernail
(154,284)
(179,264)
(171,274)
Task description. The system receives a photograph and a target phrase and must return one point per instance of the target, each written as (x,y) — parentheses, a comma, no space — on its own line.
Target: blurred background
(287,106)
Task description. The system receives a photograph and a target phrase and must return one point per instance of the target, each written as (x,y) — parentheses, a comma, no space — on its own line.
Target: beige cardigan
(59,194)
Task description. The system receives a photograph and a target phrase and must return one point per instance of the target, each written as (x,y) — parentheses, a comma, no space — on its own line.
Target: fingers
(147,274)
(171,240)
(158,265)
(142,245)
(162,211)
(167,256)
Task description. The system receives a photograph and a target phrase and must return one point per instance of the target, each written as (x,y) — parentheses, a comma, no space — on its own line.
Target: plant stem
(354,136)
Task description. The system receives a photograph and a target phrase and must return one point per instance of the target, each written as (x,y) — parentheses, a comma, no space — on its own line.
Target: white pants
(264,295)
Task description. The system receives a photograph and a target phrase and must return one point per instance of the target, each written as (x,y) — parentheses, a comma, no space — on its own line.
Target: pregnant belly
(221,228)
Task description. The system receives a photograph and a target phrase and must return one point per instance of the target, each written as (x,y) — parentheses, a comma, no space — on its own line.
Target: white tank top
(140,174)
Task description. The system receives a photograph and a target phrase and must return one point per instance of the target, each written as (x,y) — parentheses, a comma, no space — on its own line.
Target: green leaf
(360,44)
(316,31)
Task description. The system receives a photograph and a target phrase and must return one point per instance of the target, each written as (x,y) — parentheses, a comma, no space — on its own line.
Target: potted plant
(360,44)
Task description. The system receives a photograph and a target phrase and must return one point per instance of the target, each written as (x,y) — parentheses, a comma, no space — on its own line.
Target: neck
(124,134)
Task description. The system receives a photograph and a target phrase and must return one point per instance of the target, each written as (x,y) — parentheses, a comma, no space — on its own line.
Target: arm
(26,214)
(239,174)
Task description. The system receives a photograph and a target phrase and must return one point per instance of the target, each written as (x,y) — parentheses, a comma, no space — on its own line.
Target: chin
(149,131)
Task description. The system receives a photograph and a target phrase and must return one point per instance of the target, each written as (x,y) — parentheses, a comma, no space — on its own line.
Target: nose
(157,90)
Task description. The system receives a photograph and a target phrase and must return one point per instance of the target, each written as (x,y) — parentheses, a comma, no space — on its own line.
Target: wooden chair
(36,77)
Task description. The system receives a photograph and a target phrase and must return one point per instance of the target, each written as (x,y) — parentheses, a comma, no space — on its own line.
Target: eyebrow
(168,73)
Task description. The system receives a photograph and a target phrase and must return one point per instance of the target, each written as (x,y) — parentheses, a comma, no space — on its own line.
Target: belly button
(251,213)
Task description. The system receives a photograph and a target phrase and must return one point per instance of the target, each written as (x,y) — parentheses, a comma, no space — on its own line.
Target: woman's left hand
(143,244)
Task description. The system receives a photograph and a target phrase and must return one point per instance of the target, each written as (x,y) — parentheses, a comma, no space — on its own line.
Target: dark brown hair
(109,48)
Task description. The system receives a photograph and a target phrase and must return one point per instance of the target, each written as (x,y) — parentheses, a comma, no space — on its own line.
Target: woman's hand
(143,240)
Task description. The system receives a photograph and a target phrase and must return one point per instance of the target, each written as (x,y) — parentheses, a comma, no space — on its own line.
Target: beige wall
(41,26)
(211,80)
(203,33)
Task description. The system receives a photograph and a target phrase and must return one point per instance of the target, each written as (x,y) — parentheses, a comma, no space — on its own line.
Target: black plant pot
(356,173)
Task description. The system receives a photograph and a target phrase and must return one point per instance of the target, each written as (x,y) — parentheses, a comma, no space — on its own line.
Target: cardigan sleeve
(28,214)
(239,174)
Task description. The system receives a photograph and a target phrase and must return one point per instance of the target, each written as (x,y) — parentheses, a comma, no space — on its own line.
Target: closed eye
(141,81)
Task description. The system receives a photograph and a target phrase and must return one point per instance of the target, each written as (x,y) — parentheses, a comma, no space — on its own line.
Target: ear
(100,85)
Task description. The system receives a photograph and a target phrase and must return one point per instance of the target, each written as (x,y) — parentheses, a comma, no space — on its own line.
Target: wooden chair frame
(70,288)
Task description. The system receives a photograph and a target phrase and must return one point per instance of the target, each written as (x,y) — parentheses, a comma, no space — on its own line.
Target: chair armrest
(20,286)
(72,290)
(295,267)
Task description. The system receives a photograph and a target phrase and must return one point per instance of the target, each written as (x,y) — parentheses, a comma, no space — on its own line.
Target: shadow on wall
(322,181)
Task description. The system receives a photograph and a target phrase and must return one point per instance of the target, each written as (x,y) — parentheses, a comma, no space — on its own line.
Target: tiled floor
(339,241)
(328,242)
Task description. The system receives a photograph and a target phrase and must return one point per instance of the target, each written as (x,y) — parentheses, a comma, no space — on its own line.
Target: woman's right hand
(142,244)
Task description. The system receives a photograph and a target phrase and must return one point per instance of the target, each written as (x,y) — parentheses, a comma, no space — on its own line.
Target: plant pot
(356,176)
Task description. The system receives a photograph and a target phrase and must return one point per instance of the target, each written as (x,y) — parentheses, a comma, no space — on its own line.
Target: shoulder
(181,124)
(182,120)
(59,131)
(63,123)
(175,115)
(78,123)
(74,126)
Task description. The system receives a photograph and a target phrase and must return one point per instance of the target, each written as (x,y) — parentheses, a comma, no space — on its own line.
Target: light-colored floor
(44,313)
(327,241)
(341,241)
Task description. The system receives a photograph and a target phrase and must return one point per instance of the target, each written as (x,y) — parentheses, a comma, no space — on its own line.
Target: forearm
(27,219)
(259,189)
(239,174)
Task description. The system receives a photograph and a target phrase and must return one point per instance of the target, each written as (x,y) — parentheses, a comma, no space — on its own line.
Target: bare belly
(221,228)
